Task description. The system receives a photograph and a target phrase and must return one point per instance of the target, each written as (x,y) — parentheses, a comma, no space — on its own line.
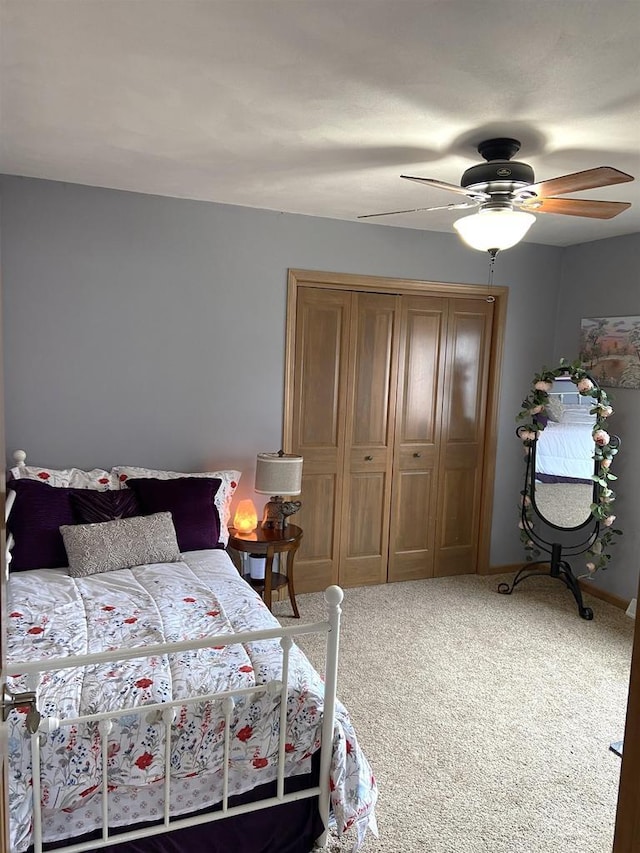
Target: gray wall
(602,279)
(150,331)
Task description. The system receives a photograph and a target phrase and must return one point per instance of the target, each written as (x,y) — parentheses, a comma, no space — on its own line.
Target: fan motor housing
(509,171)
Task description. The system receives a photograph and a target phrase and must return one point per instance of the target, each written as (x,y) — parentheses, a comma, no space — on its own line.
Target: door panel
(367,504)
(456,494)
(321,330)
(318,543)
(319,398)
(460,466)
(373,372)
(418,404)
(369,435)
(466,422)
(365,559)
(414,493)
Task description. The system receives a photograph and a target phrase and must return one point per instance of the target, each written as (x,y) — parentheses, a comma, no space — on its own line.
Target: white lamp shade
(498,228)
(278,474)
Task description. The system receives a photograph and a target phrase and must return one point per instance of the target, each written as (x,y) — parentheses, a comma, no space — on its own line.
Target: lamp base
(276,512)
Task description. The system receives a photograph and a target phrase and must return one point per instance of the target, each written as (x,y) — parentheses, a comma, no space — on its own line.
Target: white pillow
(578,415)
(73,478)
(222,500)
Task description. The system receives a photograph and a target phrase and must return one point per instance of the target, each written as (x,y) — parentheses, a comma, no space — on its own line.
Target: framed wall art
(610,350)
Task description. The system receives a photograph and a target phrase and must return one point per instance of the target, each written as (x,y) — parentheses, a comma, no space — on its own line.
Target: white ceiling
(317,106)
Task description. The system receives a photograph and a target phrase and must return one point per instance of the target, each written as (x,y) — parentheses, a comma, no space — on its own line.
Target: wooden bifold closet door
(371,384)
(417,443)
(387,406)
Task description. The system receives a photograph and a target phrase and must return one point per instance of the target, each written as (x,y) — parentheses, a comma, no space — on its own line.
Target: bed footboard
(166,714)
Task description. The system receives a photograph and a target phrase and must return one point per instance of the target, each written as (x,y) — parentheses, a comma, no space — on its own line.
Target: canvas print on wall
(610,350)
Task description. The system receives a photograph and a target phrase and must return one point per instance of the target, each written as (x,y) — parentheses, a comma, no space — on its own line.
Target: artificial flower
(584,385)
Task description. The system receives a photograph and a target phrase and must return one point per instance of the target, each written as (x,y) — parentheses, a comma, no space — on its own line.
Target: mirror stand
(558,568)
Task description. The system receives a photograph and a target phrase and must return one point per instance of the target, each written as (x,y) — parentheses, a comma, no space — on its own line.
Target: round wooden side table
(268,542)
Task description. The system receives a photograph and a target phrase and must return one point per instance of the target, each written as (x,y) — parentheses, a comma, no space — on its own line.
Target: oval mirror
(562,487)
(568,453)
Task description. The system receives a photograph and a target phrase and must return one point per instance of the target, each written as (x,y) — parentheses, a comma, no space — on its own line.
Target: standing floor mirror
(566,513)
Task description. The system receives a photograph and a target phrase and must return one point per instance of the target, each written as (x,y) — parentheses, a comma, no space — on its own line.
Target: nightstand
(269,542)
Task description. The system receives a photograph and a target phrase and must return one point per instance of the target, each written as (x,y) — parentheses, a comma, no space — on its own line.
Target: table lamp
(278,474)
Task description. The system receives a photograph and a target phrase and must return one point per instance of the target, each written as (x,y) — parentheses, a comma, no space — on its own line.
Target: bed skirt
(290,828)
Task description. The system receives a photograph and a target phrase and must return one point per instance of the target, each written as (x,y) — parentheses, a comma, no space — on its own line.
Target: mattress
(52,615)
(565,451)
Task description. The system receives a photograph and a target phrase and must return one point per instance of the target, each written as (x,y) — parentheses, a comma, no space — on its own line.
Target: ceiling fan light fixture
(494,228)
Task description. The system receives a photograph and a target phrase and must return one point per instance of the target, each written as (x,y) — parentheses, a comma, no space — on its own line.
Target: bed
(565,448)
(146,653)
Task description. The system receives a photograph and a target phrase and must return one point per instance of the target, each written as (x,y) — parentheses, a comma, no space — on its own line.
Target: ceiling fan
(506,194)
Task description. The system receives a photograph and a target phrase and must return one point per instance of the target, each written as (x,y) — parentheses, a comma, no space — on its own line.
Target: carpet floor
(487,719)
(565,504)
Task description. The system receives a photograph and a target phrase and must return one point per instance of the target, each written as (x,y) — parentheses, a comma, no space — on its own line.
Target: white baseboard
(631,609)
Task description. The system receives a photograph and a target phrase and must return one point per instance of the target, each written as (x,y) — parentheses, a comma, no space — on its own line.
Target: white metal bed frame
(331,627)
(570,395)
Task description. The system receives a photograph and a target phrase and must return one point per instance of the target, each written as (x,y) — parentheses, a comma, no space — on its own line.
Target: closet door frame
(299,278)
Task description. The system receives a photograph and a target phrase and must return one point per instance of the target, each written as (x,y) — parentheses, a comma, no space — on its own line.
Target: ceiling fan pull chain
(492,263)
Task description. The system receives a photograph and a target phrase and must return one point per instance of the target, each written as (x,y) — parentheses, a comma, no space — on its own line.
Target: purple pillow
(35,519)
(92,507)
(190,502)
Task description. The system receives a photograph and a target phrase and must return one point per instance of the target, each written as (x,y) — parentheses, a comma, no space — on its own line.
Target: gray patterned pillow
(554,409)
(120,544)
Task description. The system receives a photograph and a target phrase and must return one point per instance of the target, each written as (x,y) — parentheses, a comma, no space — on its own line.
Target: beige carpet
(487,718)
(565,504)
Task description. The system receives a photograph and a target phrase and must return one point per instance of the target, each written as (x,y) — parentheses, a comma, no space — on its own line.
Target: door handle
(417,455)
(19,700)
(368,458)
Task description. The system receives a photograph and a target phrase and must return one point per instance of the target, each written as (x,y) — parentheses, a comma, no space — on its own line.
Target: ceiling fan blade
(577,207)
(603,176)
(460,206)
(443,185)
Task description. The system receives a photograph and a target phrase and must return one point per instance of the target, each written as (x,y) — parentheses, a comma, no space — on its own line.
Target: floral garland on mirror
(605,449)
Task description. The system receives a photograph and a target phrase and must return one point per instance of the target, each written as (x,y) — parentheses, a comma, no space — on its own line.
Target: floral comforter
(54,615)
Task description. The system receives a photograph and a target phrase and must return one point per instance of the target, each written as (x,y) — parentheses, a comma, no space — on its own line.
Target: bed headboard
(212,516)
(20,458)
(566,392)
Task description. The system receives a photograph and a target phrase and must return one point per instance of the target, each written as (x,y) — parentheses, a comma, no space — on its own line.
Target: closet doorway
(391,393)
